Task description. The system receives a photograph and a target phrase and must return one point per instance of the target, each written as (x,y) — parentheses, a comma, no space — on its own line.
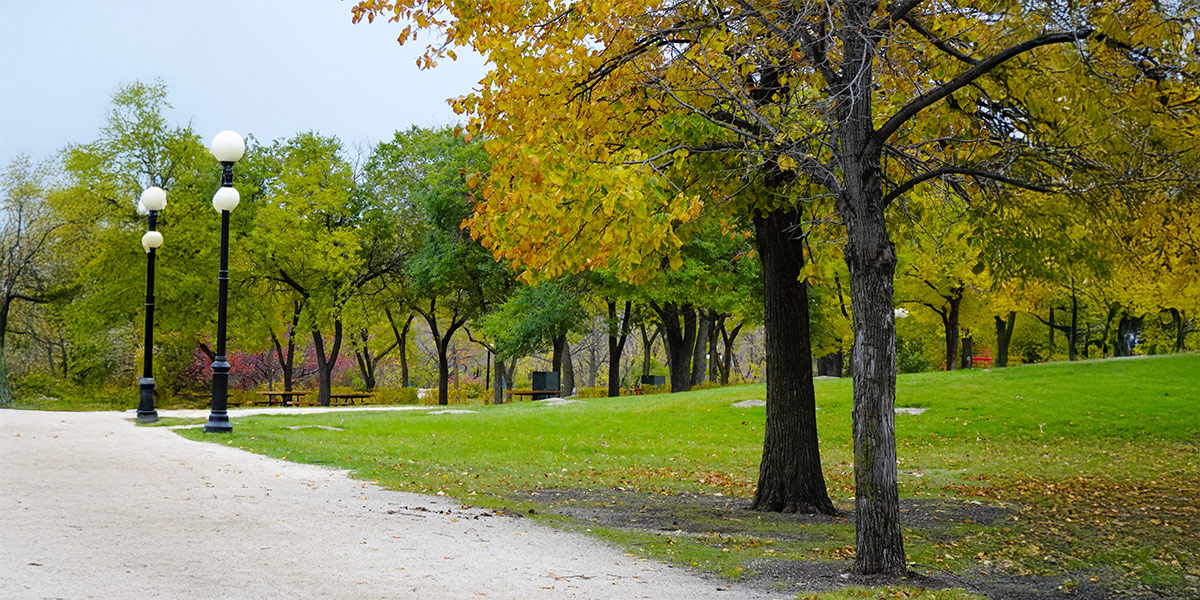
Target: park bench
(348,398)
(536,394)
(271,398)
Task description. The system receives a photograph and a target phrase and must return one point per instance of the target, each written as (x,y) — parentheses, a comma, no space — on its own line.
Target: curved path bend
(92,506)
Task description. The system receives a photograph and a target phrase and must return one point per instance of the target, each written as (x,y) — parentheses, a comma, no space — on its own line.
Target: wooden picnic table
(283,398)
(348,398)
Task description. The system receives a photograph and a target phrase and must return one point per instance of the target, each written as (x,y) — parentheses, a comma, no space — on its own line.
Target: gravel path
(93,507)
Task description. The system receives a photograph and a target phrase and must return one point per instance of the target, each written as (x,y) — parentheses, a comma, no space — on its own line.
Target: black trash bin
(545,380)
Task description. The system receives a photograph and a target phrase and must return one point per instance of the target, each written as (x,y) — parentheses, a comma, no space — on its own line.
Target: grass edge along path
(1063,480)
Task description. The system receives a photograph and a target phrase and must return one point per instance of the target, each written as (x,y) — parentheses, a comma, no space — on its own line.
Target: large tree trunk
(679,340)
(326,363)
(1004,332)
(617,335)
(789,476)
(871,259)
(968,352)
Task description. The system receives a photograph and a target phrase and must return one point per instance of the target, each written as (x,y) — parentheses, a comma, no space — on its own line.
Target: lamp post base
(145,411)
(218,423)
(218,418)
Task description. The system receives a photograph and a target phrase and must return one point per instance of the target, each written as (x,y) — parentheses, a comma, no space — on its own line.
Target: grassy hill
(1044,481)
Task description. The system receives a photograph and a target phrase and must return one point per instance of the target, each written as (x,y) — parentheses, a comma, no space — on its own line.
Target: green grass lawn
(1038,481)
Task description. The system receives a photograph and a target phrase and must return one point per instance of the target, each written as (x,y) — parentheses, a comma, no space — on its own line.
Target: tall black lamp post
(227,147)
(153,200)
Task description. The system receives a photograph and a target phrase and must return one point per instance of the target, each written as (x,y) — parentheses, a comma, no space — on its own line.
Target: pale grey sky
(263,67)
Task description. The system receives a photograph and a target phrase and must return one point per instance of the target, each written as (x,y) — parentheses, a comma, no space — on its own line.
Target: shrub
(656,389)
(592,392)
(47,394)
(466,392)
(403,395)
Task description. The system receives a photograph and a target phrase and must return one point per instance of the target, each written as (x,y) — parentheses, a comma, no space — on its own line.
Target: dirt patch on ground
(702,516)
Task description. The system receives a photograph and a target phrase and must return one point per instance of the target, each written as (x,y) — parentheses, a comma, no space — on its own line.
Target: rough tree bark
(871,259)
(789,476)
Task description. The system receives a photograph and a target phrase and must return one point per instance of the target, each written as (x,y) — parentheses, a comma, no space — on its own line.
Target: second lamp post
(153,200)
(227,147)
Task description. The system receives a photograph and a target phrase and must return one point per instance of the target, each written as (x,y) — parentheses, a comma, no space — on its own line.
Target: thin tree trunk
(1051,324)
(727,340)
(1104,339)
(401,343)
(789,477)
(950,327)
(714,350)
(443,372)
(968,352)
(616,346)
(1073,334)
(326,363)
(700,349)
(647,348)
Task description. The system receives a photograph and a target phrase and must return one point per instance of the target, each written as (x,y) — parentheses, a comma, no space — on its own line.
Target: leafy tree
(103,179)
(323,263)
(451,278)
(27,242)
(851,96)
(538,317)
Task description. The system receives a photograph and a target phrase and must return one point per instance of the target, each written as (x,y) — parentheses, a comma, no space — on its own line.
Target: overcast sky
(263,67)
